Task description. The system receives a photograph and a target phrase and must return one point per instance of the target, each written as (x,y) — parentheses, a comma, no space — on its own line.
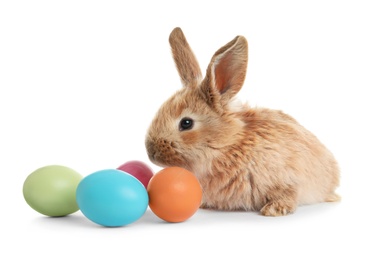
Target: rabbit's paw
(278,208)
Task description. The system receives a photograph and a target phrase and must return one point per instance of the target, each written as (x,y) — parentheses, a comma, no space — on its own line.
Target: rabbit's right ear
(185,60)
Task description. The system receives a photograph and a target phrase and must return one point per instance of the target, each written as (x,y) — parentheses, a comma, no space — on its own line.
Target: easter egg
(51,190)
(175,194)
(139,170)
(112,198)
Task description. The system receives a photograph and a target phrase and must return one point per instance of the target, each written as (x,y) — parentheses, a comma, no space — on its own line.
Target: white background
(80,82)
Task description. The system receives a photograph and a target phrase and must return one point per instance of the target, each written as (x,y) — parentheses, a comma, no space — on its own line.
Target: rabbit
(245,158)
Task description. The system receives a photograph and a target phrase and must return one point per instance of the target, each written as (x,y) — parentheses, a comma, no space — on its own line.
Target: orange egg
(174,194)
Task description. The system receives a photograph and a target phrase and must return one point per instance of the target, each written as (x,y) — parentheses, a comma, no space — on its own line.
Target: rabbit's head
(195,123)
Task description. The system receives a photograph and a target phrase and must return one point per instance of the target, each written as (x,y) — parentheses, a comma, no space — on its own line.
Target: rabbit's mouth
(163,153)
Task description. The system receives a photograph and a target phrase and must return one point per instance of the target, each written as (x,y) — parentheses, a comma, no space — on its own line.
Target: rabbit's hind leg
(280,202)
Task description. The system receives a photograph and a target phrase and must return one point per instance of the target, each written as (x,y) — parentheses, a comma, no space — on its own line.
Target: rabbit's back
(275,155)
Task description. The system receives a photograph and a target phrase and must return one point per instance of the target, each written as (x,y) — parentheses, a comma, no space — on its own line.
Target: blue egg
(112,198)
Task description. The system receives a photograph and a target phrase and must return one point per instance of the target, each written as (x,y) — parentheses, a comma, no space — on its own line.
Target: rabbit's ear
(185,60)
(226,71)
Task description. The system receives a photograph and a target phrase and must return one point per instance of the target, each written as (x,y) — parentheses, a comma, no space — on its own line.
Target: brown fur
(245,158)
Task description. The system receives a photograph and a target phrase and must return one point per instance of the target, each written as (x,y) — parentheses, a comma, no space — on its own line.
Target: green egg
(51,190)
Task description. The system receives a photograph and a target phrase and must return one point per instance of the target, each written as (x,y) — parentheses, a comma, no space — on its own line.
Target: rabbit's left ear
(226,71)
(184,58)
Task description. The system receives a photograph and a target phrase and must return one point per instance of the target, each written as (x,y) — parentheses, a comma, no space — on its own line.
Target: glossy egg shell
(174,194)
(112,198)
(139,170)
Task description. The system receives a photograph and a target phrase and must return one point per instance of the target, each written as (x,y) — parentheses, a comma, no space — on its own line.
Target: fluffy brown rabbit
(252,159)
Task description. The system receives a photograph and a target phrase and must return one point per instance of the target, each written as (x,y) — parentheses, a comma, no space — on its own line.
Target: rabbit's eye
(185,124)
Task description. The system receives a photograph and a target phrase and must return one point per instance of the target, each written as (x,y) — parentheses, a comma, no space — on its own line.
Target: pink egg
(139,170)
